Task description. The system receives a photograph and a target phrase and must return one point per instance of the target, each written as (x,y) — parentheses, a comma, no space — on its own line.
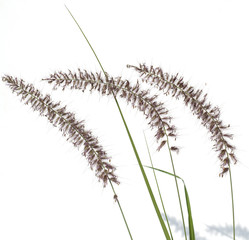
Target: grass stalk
(159,192)
(190,218)
(86,39)
(177,187)
(132,142)
(121,210)
(232,198)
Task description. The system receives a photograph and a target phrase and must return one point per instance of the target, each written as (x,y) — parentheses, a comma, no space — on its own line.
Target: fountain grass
(155,112)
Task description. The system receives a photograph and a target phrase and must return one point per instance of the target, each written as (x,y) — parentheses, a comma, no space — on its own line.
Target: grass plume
(71,128)
(153,110)
(197,101)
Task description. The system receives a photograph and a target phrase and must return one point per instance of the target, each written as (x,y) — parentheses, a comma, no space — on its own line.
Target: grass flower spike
(74,130)
(155,111)
(197,101)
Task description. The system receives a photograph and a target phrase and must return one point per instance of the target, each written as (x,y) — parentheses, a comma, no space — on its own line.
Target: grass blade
(190,219)
(159,192)
(160,170)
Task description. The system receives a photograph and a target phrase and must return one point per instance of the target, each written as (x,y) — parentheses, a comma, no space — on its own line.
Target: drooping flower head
(176,87)
(71,128)
(142,100)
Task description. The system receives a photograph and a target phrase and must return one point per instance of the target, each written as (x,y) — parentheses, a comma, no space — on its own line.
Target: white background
(47,190)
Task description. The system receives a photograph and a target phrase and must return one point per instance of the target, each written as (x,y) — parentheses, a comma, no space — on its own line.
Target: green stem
(177,188)
(86,40)
(231,185)
(116,199)
(159,192)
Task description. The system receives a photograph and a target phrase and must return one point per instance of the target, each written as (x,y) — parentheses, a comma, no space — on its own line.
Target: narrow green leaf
(159,192)
(160,170)
(190,219)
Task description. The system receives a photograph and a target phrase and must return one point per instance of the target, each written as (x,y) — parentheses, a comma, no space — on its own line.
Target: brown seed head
(153,110)
(197,101)
(74,130)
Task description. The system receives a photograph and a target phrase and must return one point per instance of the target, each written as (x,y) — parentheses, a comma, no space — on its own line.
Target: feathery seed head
(197,101)
(153,110)
(74,130)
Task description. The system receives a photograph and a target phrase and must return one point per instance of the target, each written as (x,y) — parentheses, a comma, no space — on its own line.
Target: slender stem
(117,200)
(177,188)
(231,184)
(86,40)
(159,192)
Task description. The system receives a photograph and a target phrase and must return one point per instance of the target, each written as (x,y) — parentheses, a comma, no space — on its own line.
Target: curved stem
(120,208)
(86,39)
(231,185)
(177,188)
(159,192)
